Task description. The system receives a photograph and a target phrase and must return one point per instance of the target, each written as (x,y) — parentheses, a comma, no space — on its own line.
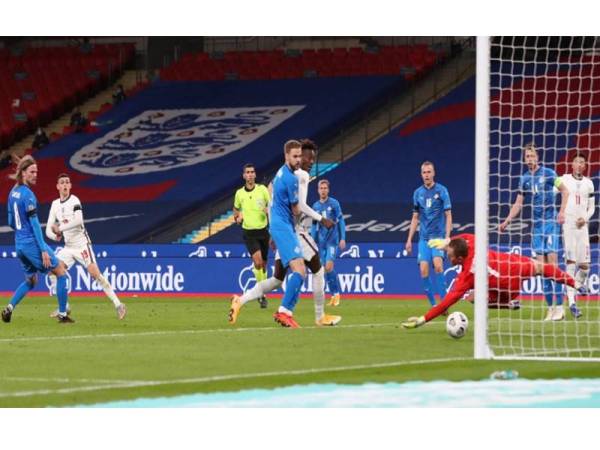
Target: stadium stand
(38,84)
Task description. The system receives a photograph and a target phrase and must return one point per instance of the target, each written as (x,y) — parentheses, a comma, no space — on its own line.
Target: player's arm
(414,221)
(591,206)
(304,208)
(463,283)
(447,212)
(292,188)
(77,220)
(514,211)
(564,197)
(50,222)
(342,231)
(31,209)
(237,206)
(11,217)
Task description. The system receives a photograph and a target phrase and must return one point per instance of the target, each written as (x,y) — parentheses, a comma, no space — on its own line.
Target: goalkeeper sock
(61,293)
(260,289)
(428,291)
(571,291)
(440,284)
(21,291)
(108,290)
(292,291)
(319,293)
(332,282)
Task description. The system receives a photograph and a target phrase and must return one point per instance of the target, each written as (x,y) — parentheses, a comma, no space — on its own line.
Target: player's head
(323,189)
(530,154)
(578,164)
(293,153)
(26,172)
(457,251)
(427,173)
(63,185)
(309,154)
(249,174)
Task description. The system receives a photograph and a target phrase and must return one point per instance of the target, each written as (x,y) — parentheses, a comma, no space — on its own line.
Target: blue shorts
(287,243)
(327,253)
(546,238)
(427,253)
(31,259)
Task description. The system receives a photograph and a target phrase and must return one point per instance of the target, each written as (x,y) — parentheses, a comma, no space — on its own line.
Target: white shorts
(309,247)
(577,244)
(83,255)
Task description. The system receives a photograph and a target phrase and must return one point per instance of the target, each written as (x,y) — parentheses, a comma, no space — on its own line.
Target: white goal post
(540,92)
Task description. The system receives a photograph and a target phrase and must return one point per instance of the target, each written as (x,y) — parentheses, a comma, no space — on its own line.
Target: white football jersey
(69,214)
(303,221)
(580,192)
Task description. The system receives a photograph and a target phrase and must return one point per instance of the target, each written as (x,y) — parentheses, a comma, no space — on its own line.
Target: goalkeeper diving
(506,272)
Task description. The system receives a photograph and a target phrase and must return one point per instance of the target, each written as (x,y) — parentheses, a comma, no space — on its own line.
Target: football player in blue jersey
(281,227)
(32,251)
(537,186)
(432,212)
(329,239)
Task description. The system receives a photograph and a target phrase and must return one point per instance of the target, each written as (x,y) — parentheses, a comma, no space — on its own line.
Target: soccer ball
(457,324)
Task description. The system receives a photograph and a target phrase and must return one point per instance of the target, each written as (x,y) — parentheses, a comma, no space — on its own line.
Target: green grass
(174,346)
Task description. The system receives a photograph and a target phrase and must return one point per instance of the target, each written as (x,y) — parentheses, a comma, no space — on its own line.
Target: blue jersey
(22,206)
(432,204)
(285,195)
(330,209)
(538,189)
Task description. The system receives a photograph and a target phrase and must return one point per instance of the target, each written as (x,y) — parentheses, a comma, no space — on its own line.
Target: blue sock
(61,293)
(548,291)
(332,282)
(440,284)
(21,291)
(292,291)
(428,291)
(559,294)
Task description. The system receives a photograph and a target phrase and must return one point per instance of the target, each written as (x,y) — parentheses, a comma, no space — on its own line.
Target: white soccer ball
(457,324)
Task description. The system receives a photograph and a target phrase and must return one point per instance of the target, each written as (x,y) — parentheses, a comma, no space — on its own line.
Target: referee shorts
(257,240)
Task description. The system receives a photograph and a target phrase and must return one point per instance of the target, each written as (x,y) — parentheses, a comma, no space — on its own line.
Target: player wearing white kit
(66,220)
(579,211)
(310,253)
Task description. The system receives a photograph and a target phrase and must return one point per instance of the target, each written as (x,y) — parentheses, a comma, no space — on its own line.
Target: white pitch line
(175,332)
(136,384)
(64,380)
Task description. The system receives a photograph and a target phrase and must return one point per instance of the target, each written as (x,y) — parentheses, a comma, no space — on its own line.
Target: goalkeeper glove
(439,244)
(414,322)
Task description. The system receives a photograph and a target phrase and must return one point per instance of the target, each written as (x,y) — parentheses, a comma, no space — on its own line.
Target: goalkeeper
(505,274)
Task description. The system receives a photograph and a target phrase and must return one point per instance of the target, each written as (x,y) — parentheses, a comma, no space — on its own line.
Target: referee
(250,210)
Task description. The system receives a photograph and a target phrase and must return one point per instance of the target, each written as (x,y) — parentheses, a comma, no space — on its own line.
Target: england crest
(159,140)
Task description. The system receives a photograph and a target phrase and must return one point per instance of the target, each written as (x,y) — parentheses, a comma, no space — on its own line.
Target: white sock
(108,290)
(319,293)
(281,309)
(52,284)
(261,288)
(570,290)
(582,275)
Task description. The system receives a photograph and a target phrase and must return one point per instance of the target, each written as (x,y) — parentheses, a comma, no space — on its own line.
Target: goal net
(538,107)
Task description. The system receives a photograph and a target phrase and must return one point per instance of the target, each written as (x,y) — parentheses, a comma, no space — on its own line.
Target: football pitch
(168,347)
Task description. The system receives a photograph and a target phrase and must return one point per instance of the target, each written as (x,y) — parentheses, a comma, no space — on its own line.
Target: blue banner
(364,269)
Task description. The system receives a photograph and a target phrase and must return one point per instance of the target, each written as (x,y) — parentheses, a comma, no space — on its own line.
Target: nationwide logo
(159,140)
(160,280)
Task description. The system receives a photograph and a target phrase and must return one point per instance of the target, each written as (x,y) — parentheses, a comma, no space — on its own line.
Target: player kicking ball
(66,221)
(506,272)
(309,250)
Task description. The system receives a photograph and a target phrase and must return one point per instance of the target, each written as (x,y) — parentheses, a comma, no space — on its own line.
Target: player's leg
(66,256)
(253,239)
(264,252)
(331,275)
(438,273)
(59,269)
(94,271)
(539,248)
(559,312)
(313,262)
(582,262)
(24,287)
(424,260)
(570,245)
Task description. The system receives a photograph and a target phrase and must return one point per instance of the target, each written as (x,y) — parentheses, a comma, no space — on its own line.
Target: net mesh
(545,95)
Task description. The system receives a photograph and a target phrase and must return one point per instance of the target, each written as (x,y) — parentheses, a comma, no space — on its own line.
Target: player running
(329,239)
(537,185)
(579,210)
(432,211)
(66,220)
(250,210)
(506,272)
(32,251)
(309,250)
